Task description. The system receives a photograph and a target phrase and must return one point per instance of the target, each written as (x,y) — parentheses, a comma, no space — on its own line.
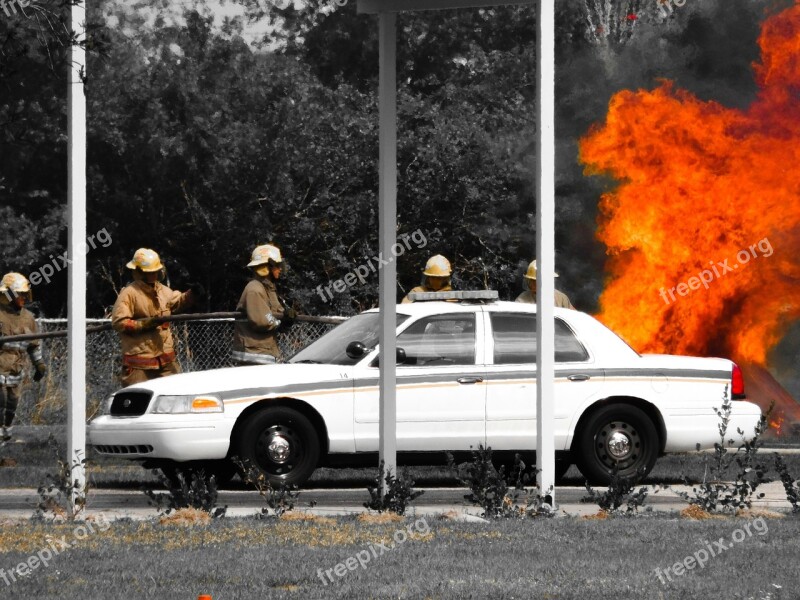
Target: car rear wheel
(617,436)
(281,443)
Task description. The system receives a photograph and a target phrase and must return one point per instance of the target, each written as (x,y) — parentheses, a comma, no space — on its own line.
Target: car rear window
(515,340)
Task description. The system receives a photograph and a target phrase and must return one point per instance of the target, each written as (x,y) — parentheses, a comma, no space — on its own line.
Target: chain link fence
(200,345)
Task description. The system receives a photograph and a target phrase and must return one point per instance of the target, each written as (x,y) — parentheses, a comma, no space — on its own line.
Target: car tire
(281,443)
(635,448)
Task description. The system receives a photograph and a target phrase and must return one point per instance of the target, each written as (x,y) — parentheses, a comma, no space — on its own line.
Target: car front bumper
(203,437)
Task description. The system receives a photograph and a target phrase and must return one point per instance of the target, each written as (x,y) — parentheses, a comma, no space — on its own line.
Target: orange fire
(702,232)
(776,424)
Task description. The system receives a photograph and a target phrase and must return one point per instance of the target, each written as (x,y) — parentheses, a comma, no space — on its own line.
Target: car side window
(568,348)
(439,340)
(515,340)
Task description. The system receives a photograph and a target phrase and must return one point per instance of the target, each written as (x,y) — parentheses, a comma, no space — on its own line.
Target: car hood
(241,378)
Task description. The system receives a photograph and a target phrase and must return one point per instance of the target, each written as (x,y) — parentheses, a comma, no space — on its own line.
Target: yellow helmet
(437,266)
(531,272)
(146,260)
(263,254)
(16,283)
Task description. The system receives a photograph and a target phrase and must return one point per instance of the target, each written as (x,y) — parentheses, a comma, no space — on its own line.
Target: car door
(441,396)
(511,380)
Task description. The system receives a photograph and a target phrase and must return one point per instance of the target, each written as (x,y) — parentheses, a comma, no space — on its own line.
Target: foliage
(279,500)
(714,494)
(790,484)
(490,489)
(394,495)
(198,140)
(621,490)
(34,60)
(187,488)
(56,495)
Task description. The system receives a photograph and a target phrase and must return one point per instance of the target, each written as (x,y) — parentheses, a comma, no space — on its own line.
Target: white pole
(387,215)
(76,306)
(545,251)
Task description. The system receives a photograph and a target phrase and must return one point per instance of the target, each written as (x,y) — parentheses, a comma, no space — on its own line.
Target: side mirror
(400,355)
(356,349)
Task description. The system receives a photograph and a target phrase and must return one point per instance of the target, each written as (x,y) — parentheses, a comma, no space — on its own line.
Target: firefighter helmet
(265,254)
(531,272)
(146,260)
(14,283)
(437,266)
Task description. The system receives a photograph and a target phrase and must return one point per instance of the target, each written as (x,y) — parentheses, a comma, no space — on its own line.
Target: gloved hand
(289,314)
(40,372)
(198,291)
(34,307)
(149,323)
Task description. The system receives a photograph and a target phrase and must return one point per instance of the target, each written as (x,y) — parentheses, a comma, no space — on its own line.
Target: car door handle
(469,380)
(579,377)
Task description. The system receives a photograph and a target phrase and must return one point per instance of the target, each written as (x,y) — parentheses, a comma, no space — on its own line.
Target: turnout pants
(9,399)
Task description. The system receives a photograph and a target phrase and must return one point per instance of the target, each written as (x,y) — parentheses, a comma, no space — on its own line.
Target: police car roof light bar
(469,296)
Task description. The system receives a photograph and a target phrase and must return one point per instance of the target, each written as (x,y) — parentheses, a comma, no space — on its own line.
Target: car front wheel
(617,436)
(281,443)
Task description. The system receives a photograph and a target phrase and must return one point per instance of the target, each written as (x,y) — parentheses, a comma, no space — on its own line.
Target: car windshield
(331,349)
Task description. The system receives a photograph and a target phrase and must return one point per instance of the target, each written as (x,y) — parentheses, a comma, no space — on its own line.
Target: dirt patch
(600,515)
(305,517)
(698,514)
(187,517)
(380,518)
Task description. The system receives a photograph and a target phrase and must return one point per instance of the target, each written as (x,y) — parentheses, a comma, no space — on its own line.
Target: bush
(715,494)
(55,496)
(398,492)
(790,484)
(279,500)
(621,490)
(187,488)
(490,490)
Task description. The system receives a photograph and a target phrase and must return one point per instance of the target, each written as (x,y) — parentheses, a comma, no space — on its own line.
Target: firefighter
(529,296)
(148,351)
(435,277)
(15,319)
(255,339)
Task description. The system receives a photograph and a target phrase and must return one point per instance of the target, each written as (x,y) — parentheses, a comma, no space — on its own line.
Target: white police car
(465,376)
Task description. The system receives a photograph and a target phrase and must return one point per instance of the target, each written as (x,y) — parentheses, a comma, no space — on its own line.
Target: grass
(556,558)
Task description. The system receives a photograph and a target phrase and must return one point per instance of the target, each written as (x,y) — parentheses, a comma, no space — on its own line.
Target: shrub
(55,496)
(279,500)
(490,490)
(791,485)
(714,494)
(621,490)
(188,488)
(398,493)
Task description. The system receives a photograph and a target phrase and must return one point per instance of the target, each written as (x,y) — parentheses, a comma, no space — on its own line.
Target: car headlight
(170,405)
